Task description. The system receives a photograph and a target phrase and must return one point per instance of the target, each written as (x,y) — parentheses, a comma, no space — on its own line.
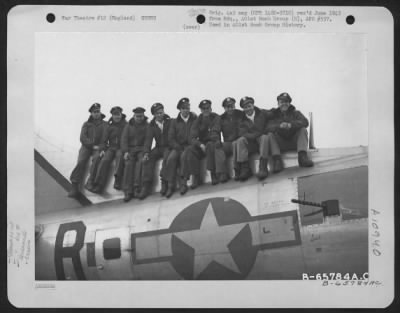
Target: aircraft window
(112,248)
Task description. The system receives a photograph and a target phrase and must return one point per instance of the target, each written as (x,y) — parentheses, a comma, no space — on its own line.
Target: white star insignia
(210,242)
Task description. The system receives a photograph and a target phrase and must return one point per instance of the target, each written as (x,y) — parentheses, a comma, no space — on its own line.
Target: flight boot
(89,185)
(164,187)
(183,186)
(196,182)
(73,193)
(245,171)
(136,191)
(117,183)
(170,191)
(278,164)
(303,159)
(262,169)
(223,178)
(214,178)
(145,191)
(97,189)
(127,196)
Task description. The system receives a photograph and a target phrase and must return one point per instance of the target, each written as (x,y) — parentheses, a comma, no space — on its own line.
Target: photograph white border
(24,21)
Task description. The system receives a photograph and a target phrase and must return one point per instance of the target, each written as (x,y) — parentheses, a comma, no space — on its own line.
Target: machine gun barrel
(316,204)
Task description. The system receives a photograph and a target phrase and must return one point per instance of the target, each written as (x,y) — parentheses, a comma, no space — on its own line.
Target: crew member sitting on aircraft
(230,132)
(132,145)
(288,128)
(110,149)
(158,129)
(179,141)
(252,139)
(91,134)
(205,132)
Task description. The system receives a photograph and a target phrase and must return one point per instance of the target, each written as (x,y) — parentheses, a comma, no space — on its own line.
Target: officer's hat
(246,100)
(94,106)
(204,103)
(116,110)
(284,96)
(155,107)
(181,102)
(228,101)
(138,110)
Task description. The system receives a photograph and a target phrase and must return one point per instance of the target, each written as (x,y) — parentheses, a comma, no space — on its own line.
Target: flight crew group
(182,142)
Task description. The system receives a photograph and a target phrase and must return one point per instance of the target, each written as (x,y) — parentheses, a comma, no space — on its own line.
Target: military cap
(284,96)
(138,110)
(228,101)
(181,102)
(246,100)
(204,103)
(94,106)
(115,110)
(155,107)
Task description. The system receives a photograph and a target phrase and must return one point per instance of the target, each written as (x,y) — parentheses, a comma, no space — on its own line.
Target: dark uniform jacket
(154,131)
(292,116)
(112,136)
(251,130)
(205,129)
(230,125)
(92,132)
(134,135)
(179,132)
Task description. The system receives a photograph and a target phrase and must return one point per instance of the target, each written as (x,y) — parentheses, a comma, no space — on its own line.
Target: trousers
(209,154)
(133,171)
(148,166)
(105,164)
(221,154)
(245,147)
(185,161)
(83,158)
(299,142)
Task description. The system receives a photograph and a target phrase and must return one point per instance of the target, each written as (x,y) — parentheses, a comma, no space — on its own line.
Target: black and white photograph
(217,151)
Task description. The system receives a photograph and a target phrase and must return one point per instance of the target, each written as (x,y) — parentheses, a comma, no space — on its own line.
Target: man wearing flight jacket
(179,141)
(158,130)
(204,134)
(252,139)
(288,131)
(110,148)
(132,144)
(91,134)
(229,122)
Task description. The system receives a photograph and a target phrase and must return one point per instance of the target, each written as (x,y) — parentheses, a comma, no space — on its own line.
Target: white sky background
(324,73)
